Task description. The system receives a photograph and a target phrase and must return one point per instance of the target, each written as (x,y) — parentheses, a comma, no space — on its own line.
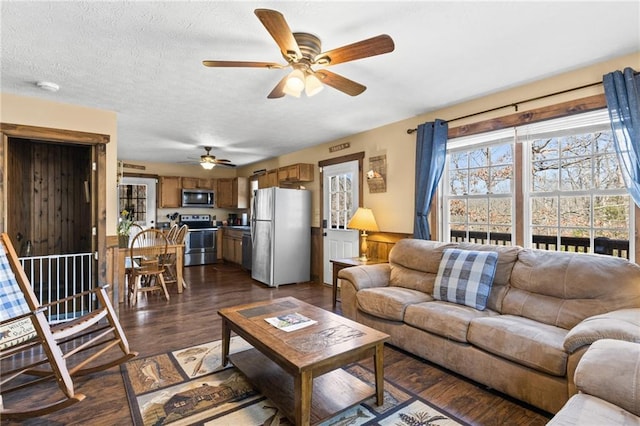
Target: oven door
(200,247)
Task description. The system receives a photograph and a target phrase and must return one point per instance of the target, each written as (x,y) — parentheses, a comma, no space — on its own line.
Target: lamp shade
(207,165)
(363,220)
(312,85)
(295,83)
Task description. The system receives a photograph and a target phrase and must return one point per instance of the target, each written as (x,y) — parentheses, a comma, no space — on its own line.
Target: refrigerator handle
(253,217)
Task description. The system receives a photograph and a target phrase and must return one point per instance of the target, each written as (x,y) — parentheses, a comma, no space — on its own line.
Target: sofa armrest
(357,278)
(610,370)
(623,324)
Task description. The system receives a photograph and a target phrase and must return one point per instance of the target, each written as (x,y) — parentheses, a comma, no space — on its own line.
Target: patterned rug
(190,387)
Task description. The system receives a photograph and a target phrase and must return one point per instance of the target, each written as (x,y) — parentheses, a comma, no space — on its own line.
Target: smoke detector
(48,86)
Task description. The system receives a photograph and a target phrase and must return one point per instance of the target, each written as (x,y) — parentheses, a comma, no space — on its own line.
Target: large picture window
(574,197)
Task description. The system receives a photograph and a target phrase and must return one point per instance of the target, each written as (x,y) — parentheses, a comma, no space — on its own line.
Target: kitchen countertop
(239,227)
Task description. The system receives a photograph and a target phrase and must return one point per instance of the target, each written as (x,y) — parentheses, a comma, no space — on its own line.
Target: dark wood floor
(155,326)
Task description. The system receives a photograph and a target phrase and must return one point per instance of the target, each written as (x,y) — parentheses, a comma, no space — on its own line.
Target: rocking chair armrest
(75,296)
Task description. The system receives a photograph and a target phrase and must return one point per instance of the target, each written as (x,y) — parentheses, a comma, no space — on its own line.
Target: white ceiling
(143,60)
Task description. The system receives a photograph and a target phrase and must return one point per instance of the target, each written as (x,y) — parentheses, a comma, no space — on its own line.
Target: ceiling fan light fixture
(312,85)
(295,81)
(207,165)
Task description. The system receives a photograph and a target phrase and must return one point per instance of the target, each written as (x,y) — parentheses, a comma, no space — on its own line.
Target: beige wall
(394,209)
(43,113)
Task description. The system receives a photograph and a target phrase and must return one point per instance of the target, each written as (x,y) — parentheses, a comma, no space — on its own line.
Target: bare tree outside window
(574,193)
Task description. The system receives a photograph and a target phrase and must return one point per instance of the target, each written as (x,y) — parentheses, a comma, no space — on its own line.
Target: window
(480,184)
(340,200)
(574,197)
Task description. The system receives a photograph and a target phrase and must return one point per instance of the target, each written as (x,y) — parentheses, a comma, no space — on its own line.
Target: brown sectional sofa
(543,311)
(608,381)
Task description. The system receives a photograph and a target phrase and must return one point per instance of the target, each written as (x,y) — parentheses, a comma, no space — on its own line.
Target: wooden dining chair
(171,235)
(147,253)
(170,273)
(32,351)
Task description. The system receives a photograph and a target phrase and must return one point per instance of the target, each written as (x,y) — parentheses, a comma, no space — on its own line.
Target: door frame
(359,157)
(98,143)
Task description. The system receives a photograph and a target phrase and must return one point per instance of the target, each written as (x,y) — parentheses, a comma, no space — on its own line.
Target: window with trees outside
(566,170)
(340,200)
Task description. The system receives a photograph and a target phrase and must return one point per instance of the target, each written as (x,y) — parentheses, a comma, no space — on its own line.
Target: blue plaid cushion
(12,301)
(465,277)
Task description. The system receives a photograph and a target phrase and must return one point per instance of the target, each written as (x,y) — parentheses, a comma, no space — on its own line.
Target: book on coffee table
(290,322)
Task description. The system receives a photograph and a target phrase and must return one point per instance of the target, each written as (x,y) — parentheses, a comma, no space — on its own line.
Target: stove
(200,244)
(196,221)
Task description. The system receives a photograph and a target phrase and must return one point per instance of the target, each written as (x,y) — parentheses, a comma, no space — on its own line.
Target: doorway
(137,195)
(48,195)
(53,196)
(341,196)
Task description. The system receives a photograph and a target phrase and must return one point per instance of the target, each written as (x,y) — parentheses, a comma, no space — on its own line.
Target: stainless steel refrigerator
(281,236)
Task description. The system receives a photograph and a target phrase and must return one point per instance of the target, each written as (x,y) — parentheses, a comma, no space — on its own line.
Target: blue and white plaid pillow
(465,277)
(12,301)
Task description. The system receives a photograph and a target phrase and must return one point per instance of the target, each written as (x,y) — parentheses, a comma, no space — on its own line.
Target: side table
(339,264)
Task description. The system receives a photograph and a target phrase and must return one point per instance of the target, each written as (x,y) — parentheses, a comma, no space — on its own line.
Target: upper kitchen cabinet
(170,193)
(198,183)
(295,173)
(232,193)
(268,179)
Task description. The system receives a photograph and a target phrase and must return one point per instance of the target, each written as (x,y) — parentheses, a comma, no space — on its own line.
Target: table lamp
(364,221)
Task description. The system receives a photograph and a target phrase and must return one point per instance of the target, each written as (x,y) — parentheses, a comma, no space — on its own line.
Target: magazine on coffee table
(290,322)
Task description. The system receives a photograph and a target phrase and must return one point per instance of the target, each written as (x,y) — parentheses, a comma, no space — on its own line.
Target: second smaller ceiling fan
(208,161)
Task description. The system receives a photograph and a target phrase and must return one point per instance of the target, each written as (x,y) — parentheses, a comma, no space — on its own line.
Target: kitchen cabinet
(232,245)
(198,183)
(232,193)
(170,191)
(268,179)
(294,173)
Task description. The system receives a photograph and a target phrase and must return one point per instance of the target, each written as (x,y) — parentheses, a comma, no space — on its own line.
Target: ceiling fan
(208,161)
(303,53)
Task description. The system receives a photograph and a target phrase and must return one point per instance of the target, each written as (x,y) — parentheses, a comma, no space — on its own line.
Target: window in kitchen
(573,195)
(137,195)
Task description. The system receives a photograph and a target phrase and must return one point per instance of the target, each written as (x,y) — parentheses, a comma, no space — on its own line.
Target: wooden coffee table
(283,365)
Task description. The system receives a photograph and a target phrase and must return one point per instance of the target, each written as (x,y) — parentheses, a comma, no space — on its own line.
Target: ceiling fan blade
(341,83)
(225,165)
(220,160)
(359,50)
(278,91)
(277,26)
(230,64)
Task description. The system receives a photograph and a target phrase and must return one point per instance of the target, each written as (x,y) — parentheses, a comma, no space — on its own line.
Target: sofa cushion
(389,302)
(443,318)
(583,409)
(562,288)
(610,369)
(465,277)
(414,263)
(521,340)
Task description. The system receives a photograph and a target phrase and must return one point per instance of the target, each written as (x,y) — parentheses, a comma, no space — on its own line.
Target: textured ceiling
(143,60)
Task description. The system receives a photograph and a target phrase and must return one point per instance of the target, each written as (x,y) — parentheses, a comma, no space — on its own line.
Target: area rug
(191,387)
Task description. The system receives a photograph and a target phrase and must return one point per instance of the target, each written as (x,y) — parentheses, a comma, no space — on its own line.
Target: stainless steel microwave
(198,198)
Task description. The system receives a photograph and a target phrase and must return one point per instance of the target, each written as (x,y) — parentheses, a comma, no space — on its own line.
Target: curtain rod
(515,104)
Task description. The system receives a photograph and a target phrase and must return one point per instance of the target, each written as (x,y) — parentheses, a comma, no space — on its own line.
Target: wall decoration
(377,174)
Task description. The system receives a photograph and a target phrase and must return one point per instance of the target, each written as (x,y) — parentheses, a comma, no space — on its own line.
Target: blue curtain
(623,101)
(431,150)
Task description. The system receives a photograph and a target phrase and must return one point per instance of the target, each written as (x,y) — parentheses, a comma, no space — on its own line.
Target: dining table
(120,269)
